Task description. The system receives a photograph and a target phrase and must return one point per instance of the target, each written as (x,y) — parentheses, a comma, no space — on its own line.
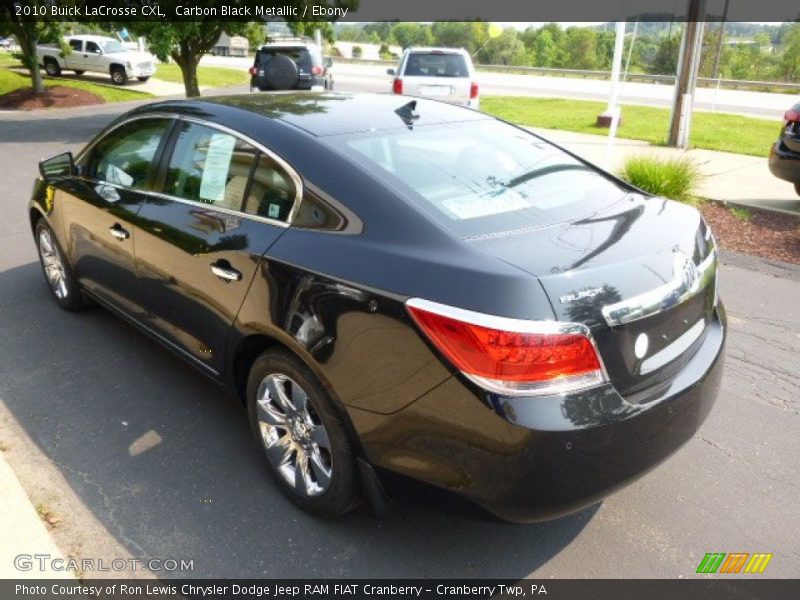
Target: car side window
(75,45)
(92,48)
(209,166)
(272,191)
(126,156)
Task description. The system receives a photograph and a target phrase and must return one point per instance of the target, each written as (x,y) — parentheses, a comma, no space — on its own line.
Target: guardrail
(577,73)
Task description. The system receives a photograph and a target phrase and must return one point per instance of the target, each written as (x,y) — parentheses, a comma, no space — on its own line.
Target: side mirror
(60,165)
(390,72)
(327,62)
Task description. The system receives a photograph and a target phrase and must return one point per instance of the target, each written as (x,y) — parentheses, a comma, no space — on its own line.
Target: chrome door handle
(226,272)
(118,232)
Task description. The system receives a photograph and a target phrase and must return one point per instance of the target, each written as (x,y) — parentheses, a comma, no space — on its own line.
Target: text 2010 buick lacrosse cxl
(405,285)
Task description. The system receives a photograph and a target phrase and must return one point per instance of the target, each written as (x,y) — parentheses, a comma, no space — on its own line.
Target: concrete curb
(24,533)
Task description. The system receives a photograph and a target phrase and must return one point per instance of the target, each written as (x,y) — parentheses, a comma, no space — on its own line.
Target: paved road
(142,457)
(373,78)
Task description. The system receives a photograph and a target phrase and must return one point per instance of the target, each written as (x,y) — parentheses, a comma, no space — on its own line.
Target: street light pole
(688,64)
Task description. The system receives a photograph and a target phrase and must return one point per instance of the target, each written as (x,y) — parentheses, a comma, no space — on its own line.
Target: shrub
(675,178)
(357,51)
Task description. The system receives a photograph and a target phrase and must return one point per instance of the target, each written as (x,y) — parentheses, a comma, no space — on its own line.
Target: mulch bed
(57,96)
(767,234)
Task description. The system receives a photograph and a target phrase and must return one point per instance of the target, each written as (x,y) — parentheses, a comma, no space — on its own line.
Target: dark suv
(291,65)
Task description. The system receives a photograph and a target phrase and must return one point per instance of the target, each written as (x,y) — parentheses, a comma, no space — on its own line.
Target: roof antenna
(406,112)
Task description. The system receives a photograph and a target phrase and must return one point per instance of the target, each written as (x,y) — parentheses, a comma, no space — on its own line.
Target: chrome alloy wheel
(296,440)
(53,264)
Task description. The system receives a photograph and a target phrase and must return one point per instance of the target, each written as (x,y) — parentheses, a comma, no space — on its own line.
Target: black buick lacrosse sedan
(408,286)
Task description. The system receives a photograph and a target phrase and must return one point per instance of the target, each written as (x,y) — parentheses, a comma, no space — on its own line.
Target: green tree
(580,48)
(406,35)
(457,34)
(665,60)
(545,49)
(309,28)
(28,35)
(789,61)
(505,49)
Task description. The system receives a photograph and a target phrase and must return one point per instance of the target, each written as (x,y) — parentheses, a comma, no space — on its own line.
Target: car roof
(432,50)
(91,38)
(321,114)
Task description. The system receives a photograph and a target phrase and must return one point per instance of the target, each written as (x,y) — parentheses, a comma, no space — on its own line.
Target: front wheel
(304,439)
(143,79)
(119,76)
(63,285)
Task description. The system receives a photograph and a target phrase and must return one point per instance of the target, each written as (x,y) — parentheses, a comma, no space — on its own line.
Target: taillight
(473,90)
(792,115)
(316,70)
(253,71)
(511,356)
(397,86)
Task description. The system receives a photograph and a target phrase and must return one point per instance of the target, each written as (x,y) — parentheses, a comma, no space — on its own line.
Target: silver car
(445,74)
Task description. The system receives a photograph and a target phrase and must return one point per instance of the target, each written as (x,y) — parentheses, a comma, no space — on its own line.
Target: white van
(445,74)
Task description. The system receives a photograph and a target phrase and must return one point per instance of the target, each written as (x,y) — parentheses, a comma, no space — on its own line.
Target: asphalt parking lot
(141,457)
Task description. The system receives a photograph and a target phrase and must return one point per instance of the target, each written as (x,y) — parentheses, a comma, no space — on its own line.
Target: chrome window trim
(293,174)
(558,386)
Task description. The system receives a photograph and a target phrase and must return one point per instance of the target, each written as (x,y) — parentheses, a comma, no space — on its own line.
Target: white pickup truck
(98,54)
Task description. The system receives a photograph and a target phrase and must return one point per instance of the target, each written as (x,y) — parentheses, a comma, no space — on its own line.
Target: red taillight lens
(502,355)
(316,70)
(792,116)
(253,71)
(473,90)
(397,86)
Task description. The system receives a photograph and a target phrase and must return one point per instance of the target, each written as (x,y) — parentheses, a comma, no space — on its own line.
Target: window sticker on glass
(215,170)
(274,211)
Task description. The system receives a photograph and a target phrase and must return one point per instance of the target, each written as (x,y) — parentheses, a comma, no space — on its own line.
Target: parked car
(6,43)
(292,63)
(415,287)
(784,157)
(445,74)
(97,54)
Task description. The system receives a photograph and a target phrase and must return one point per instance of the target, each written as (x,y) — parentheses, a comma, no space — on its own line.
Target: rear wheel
(119,76)
(63,285)
(303,437)
(51,67)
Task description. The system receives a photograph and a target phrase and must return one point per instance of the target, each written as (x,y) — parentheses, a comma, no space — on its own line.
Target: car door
(93,58)
(75,59)
(223,203)
(101,206)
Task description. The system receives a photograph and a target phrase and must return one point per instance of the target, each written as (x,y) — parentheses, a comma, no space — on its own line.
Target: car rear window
(485,177)
(421,64)
(301,56)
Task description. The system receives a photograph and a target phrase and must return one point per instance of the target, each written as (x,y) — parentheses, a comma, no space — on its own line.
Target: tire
(56,271)
(51,67)
(797,188)
(328,486)
(281,73)
(143,79)
(79,73)
(119,76)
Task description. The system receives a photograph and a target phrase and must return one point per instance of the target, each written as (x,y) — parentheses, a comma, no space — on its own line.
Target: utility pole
(688,64)
(720,41)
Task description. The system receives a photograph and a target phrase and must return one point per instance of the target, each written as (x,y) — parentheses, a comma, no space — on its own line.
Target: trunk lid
(640,274)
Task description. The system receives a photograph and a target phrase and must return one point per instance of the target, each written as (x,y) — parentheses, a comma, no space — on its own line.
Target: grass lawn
(213,77)
(6,60)
(711,131)
(10,81)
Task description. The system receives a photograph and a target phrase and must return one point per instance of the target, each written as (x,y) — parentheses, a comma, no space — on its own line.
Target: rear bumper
(533,459)
(784,163)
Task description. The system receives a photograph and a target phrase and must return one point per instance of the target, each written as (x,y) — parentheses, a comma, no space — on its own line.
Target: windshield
(436,65)
(112,46)
(484,177)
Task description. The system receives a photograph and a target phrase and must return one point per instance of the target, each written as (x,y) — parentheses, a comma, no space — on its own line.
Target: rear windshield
(436,65)
(301,56)
(485,177)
